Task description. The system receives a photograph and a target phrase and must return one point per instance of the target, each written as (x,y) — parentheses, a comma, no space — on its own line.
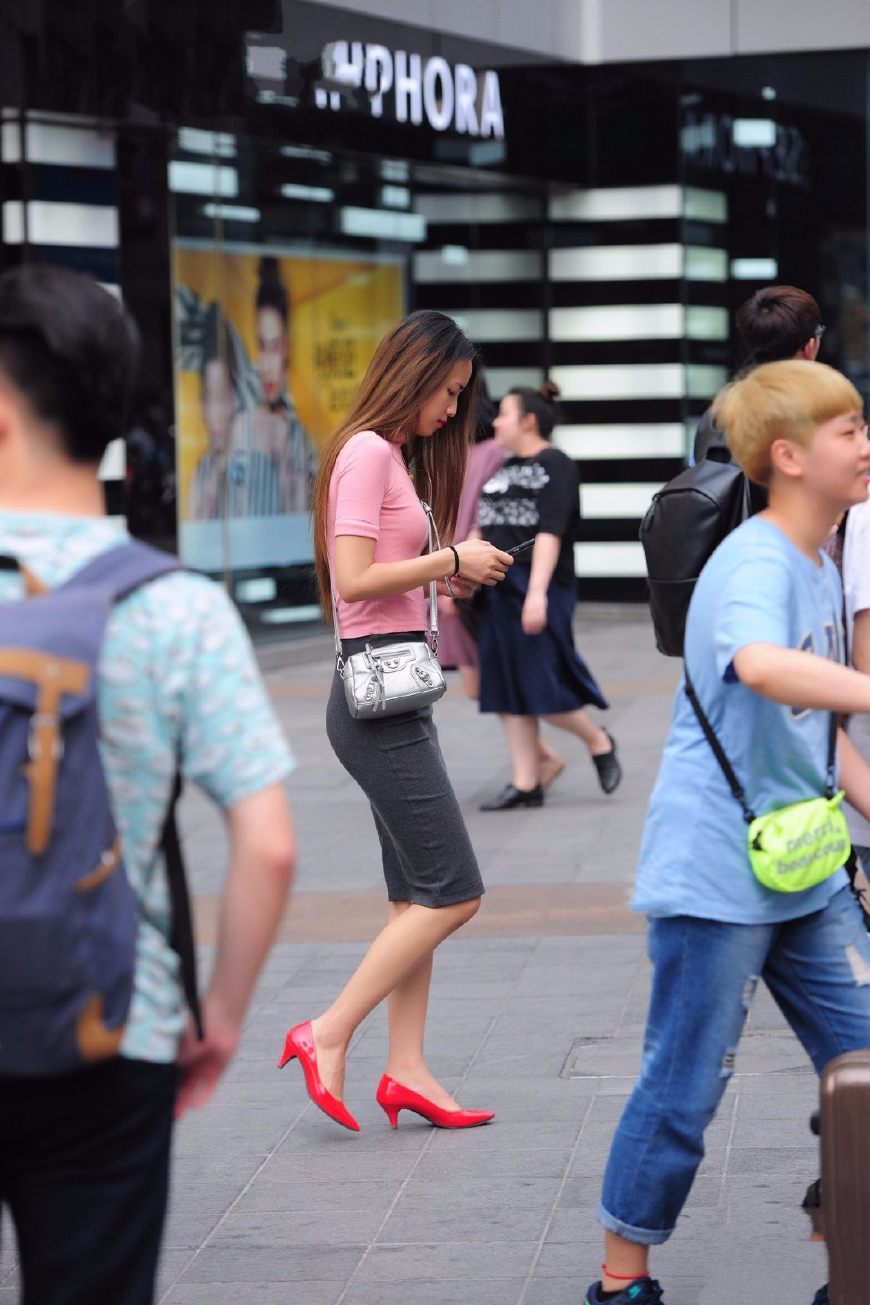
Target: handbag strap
(433,595)
(725,765)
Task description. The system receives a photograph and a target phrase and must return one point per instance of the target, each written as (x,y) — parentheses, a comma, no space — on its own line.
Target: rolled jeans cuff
(643,1236)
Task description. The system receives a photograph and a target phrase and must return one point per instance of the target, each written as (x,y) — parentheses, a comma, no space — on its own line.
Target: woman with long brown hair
(414,415)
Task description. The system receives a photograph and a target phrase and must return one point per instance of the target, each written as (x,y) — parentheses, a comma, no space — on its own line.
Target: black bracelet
(456,557)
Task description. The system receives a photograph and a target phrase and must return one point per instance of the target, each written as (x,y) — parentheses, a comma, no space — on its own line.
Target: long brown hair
(409,364)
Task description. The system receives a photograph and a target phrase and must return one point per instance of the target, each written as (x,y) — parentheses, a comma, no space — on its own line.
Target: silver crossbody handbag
(394,677)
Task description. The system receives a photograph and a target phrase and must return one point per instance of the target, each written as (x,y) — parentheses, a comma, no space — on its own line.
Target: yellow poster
(270,348)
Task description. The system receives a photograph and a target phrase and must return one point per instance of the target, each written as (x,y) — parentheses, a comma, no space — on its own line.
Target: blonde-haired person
(414,413)
(763,650)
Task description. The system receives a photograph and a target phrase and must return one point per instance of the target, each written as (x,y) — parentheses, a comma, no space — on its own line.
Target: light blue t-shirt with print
(758,587)
(177,677)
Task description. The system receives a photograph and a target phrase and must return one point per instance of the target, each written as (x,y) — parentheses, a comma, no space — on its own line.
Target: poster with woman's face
(270,348)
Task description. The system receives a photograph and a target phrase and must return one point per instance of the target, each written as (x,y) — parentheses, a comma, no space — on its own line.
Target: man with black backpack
(776,323)
(118,671)
(693,513)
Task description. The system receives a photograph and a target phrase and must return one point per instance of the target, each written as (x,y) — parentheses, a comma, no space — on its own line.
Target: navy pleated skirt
(531,674)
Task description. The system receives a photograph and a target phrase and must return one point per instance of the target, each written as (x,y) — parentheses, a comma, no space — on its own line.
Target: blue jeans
(704,978)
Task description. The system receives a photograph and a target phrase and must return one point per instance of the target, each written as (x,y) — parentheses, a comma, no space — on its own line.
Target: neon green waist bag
(797,846)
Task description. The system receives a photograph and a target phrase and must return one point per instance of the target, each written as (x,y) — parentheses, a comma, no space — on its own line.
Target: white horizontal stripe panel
(49,223)
(639,322)
(621,440)
(703,382)
(216,179)
(607,502)
(49,142)
(625,381)
(501,379)
(623,558)
(754,269)
(618,203)
(632,202)
(617,263)
(381,224)
(704,323)
(114,463)
(290,615)
(480,265)
(618,322)
(706,205)
(479,208)
(498,324)
(259,589)
(703,264)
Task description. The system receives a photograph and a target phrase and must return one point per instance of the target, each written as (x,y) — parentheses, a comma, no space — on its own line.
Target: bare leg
(407,941)
(470,678)
(581,724)
(628,1259)
(550,764)
(521,733)
(406,1013)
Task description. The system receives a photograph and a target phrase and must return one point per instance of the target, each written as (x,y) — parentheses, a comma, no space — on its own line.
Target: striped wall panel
(638,339)
(616,294)
(484,263)
(58,200)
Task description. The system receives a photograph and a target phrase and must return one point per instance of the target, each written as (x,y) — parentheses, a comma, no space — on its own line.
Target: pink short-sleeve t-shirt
(372,495)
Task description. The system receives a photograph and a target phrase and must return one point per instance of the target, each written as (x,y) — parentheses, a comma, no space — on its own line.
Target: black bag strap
(181,938)
(725,765)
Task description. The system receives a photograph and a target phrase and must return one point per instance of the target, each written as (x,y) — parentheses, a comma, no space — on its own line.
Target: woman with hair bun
(405,437)
(530,669)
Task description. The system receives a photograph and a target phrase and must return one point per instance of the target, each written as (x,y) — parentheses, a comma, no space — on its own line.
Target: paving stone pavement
(537,1013)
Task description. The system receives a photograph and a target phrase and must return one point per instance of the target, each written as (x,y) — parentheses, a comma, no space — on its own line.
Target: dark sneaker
(608,767)
(643,1291)
(821,1296)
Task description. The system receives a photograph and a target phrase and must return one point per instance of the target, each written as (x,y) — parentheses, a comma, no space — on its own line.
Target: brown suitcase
(845,1096)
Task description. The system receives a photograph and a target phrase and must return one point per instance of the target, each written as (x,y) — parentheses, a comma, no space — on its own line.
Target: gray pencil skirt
(397,762)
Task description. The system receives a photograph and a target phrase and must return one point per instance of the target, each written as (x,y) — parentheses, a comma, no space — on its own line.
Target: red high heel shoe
(393,1097)
(299,1045)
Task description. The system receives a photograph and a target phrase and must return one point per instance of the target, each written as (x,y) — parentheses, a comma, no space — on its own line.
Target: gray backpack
(68,916)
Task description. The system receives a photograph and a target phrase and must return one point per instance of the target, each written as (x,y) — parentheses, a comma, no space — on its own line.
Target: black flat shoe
(511,797)
(608,767)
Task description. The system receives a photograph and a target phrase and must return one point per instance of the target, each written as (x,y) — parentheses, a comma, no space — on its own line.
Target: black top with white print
(527,495)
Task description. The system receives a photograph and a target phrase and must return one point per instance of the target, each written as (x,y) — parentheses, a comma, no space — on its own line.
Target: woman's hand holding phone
(481,562)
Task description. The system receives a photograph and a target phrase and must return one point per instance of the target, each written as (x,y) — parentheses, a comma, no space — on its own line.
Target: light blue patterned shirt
(177,677)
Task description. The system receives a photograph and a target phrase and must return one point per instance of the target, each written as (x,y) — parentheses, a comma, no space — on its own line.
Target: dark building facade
(270,184)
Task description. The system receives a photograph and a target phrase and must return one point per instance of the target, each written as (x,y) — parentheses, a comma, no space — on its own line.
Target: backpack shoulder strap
(123,568)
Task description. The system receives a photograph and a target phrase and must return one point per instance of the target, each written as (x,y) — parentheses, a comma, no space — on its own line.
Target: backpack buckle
(49,722)
(45,749)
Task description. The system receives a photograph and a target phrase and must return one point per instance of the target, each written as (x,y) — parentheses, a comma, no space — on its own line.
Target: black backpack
(685,522)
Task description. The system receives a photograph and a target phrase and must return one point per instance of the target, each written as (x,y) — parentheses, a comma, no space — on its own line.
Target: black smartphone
(520,548)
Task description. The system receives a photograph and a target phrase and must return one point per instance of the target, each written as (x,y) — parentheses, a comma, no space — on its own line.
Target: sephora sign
(447,96)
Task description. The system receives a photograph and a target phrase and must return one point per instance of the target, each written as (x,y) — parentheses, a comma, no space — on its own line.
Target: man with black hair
(776,323)
(84,1156)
